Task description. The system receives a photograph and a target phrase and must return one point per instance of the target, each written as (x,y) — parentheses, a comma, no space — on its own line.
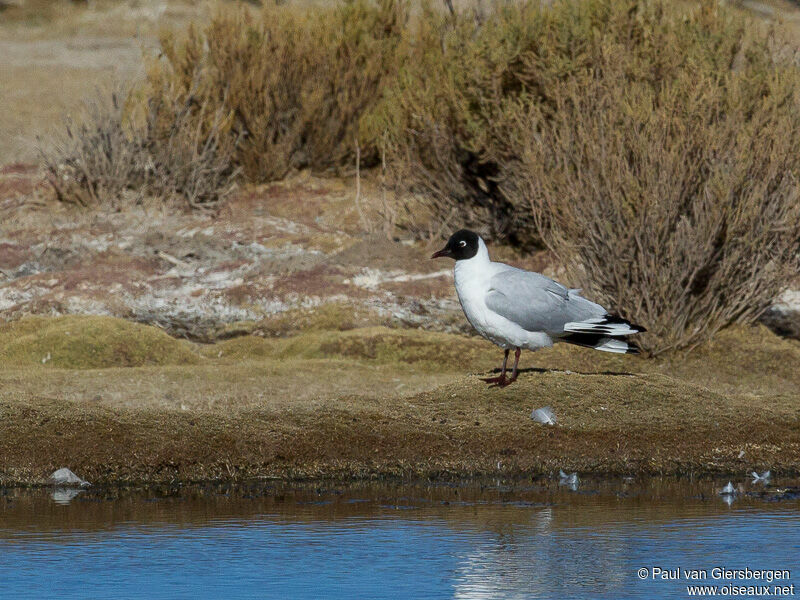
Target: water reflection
(539,561)
(65,495)
(498,540)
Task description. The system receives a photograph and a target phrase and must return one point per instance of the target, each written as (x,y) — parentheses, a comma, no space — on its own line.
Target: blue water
(467,542)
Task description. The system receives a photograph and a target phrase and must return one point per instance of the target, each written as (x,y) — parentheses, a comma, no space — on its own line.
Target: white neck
(483,253)
(475,266)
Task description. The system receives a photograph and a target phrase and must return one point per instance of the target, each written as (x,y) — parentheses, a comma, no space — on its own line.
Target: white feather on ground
(544,415)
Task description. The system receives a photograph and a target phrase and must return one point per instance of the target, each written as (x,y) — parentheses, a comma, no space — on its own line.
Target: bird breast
(472,287)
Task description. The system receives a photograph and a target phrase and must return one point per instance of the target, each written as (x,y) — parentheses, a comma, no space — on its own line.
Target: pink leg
(501,379)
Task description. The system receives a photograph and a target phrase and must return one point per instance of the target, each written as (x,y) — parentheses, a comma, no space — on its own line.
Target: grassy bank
(382,402)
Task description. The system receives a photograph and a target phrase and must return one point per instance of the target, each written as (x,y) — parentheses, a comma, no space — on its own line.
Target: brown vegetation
(667,180)
(294,83)
(378,402)
(110,157)
(652,149)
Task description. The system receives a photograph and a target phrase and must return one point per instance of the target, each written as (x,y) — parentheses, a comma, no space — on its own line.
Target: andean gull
(519,309)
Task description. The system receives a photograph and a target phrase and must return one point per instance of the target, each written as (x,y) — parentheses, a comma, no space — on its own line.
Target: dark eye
(462,243)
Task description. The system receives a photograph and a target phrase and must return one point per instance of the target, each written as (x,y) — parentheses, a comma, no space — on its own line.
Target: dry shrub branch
(115,155)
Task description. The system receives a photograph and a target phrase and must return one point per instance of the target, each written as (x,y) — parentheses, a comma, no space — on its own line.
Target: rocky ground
(271,255)
(272,250)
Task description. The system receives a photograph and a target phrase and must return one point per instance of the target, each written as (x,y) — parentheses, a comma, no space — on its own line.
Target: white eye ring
(462,243)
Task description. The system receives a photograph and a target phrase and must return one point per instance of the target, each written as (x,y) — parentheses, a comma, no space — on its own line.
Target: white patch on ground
(286,225)
(79,305)
(253,248)
(371,279)
(13,296)
(788,302)
(99,243)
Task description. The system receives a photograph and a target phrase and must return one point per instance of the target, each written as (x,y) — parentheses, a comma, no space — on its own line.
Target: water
(469,540)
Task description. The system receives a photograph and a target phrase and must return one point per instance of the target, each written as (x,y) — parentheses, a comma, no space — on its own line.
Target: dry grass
(379,402)
(52,53)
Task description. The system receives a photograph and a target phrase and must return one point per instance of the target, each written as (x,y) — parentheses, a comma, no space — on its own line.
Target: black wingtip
(616,319)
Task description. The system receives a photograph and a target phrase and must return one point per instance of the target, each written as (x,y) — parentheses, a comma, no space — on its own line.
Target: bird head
(462,245)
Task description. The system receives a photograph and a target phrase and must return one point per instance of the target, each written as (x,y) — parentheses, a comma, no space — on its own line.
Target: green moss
(88,342)
(384,345)
(332,316)
(241,348)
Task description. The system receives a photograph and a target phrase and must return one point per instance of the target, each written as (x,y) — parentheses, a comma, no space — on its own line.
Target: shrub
(113,155)
(295,83)
(652,148)
(442,119)
(665,178)
(450,119)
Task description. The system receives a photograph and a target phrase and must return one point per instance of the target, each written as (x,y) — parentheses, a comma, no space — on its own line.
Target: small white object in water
(728,499)
(544,415)
(763,478)
(570,480)
(65,477)
(728,490)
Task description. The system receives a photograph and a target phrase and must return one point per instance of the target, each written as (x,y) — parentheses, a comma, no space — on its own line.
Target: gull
(763,478)
(514,308)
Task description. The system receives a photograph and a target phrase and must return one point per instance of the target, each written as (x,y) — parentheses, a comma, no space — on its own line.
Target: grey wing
(537,303)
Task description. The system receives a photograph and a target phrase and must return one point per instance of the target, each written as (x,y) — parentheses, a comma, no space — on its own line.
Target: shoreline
(133,447)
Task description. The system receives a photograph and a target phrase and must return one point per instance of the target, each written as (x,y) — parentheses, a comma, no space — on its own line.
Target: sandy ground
(54,56)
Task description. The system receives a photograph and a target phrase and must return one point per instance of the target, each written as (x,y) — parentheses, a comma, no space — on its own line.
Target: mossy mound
(89,342)
(242,348)
(380,344)
(332,316)
(385,345)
